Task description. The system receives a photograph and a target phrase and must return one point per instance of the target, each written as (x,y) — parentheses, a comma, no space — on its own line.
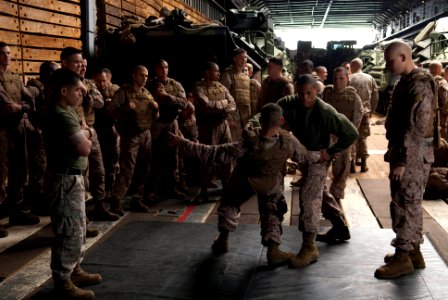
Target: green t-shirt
(61,123)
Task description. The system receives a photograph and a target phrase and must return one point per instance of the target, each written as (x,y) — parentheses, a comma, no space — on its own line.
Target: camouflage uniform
(164,161)
(65,191)
(95,181)
(36,175)
(367,90)
(259,170)
(20,132)
(437,186)
(314,127)
(409,130)
(255,88)
(135,139)
(108,137)
(349,104)
(188,170)
(3,162)
(238,84)
(272,90)
(442,96)
(213,104)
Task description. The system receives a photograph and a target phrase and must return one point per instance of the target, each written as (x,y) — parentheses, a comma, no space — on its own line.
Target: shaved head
(435,68)
(356,65)
(398,57)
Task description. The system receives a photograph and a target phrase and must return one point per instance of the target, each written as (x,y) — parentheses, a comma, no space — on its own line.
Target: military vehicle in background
(431,43)
(188,46)
(333,56)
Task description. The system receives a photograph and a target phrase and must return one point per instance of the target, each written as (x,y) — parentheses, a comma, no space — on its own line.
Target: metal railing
(209,8)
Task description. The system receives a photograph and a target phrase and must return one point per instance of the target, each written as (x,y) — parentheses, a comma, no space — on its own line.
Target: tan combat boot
(101,213)
(400,264)
(415,255)
(277,257)
(115,206)
(308,253)
(81,278)
(137,205)
(66,290)
(364,167)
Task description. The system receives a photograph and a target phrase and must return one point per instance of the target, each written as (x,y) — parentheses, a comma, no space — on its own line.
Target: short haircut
(270,115)
(69,51)
(138,67)
(63,78)
(238,51)
(436,63)
(277,61)
(46,70)
(341,69)
(308,63)
(306,79)
(3,45)
(101,71)
(345,63)
(159,62)
(208,66)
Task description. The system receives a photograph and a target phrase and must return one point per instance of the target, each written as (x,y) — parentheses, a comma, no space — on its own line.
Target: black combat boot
(352,167)
(221,244)
(338,233)
(364,167)
(3,231)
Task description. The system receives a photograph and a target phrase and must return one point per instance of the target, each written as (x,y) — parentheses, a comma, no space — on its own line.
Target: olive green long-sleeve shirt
(314,126)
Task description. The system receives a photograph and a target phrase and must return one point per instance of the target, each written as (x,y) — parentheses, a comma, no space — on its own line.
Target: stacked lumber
(37,30)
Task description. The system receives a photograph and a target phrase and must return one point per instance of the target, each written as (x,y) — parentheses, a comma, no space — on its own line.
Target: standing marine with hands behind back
(410,132)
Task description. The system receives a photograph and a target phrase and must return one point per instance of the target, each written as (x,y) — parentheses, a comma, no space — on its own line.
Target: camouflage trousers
(443,125)
(271,206)
(314,198)
(109,142)
(340,169)
(3,163)
(360,147)
(95,179)
(66,194)
(164,159)
(26,160)
(406,207)
(214,135)
(235,125)
(135,157)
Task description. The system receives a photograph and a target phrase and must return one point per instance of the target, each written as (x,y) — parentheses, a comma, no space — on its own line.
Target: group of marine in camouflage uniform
(154,120)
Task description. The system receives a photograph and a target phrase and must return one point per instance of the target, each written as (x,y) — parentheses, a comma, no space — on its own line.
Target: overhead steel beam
(326,14)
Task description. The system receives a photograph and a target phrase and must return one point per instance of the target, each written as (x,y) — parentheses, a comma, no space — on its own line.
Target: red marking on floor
(186,213)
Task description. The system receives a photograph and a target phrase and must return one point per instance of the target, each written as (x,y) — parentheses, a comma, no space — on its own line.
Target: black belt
(72,171)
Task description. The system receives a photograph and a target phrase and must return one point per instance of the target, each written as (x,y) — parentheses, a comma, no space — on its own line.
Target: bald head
(398,57)
(435,68)
(356,65)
